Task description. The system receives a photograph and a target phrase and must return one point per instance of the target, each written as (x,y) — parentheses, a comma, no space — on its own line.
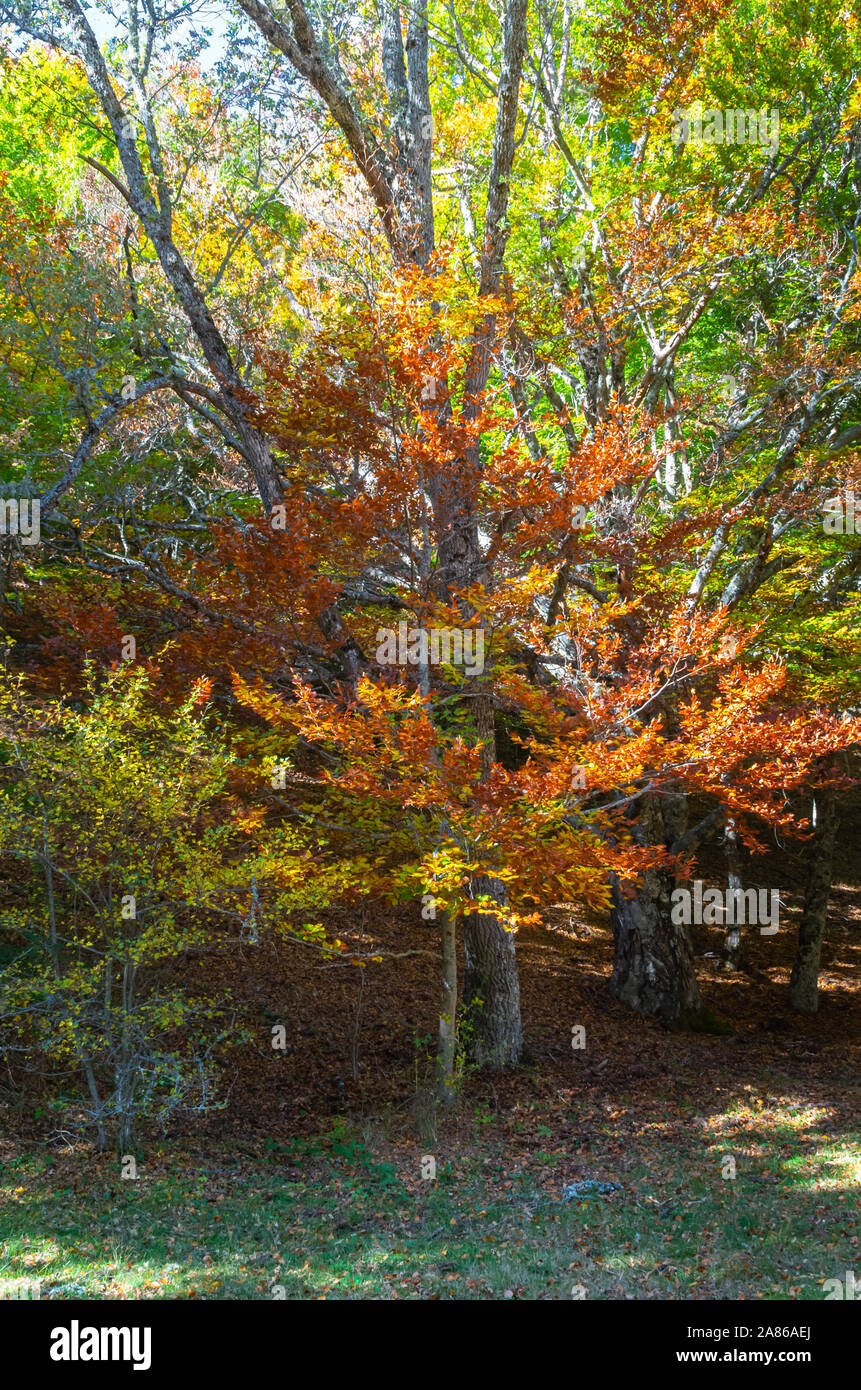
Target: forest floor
(649,1164)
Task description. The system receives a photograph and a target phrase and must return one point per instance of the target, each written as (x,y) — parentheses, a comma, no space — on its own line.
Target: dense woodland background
(538,323)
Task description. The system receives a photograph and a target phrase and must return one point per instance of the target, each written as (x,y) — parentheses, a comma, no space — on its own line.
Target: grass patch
(333,1219)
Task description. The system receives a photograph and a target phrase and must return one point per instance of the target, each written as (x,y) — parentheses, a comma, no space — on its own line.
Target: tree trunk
(804,982)
(448,1012)
(398,174)
(491,986)
(653,970)
(732,938)
(98,1107)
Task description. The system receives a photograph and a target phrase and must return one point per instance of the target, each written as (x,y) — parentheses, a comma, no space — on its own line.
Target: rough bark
(491,986)
(732,937)
(804,981)
(653,970)
(447,1013)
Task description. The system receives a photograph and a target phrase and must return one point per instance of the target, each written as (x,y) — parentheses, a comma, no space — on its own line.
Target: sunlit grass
(349,1227)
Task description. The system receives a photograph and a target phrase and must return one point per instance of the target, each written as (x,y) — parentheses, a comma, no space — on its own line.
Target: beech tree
(396,164)
(607,699)
(648,284)
(558,310)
